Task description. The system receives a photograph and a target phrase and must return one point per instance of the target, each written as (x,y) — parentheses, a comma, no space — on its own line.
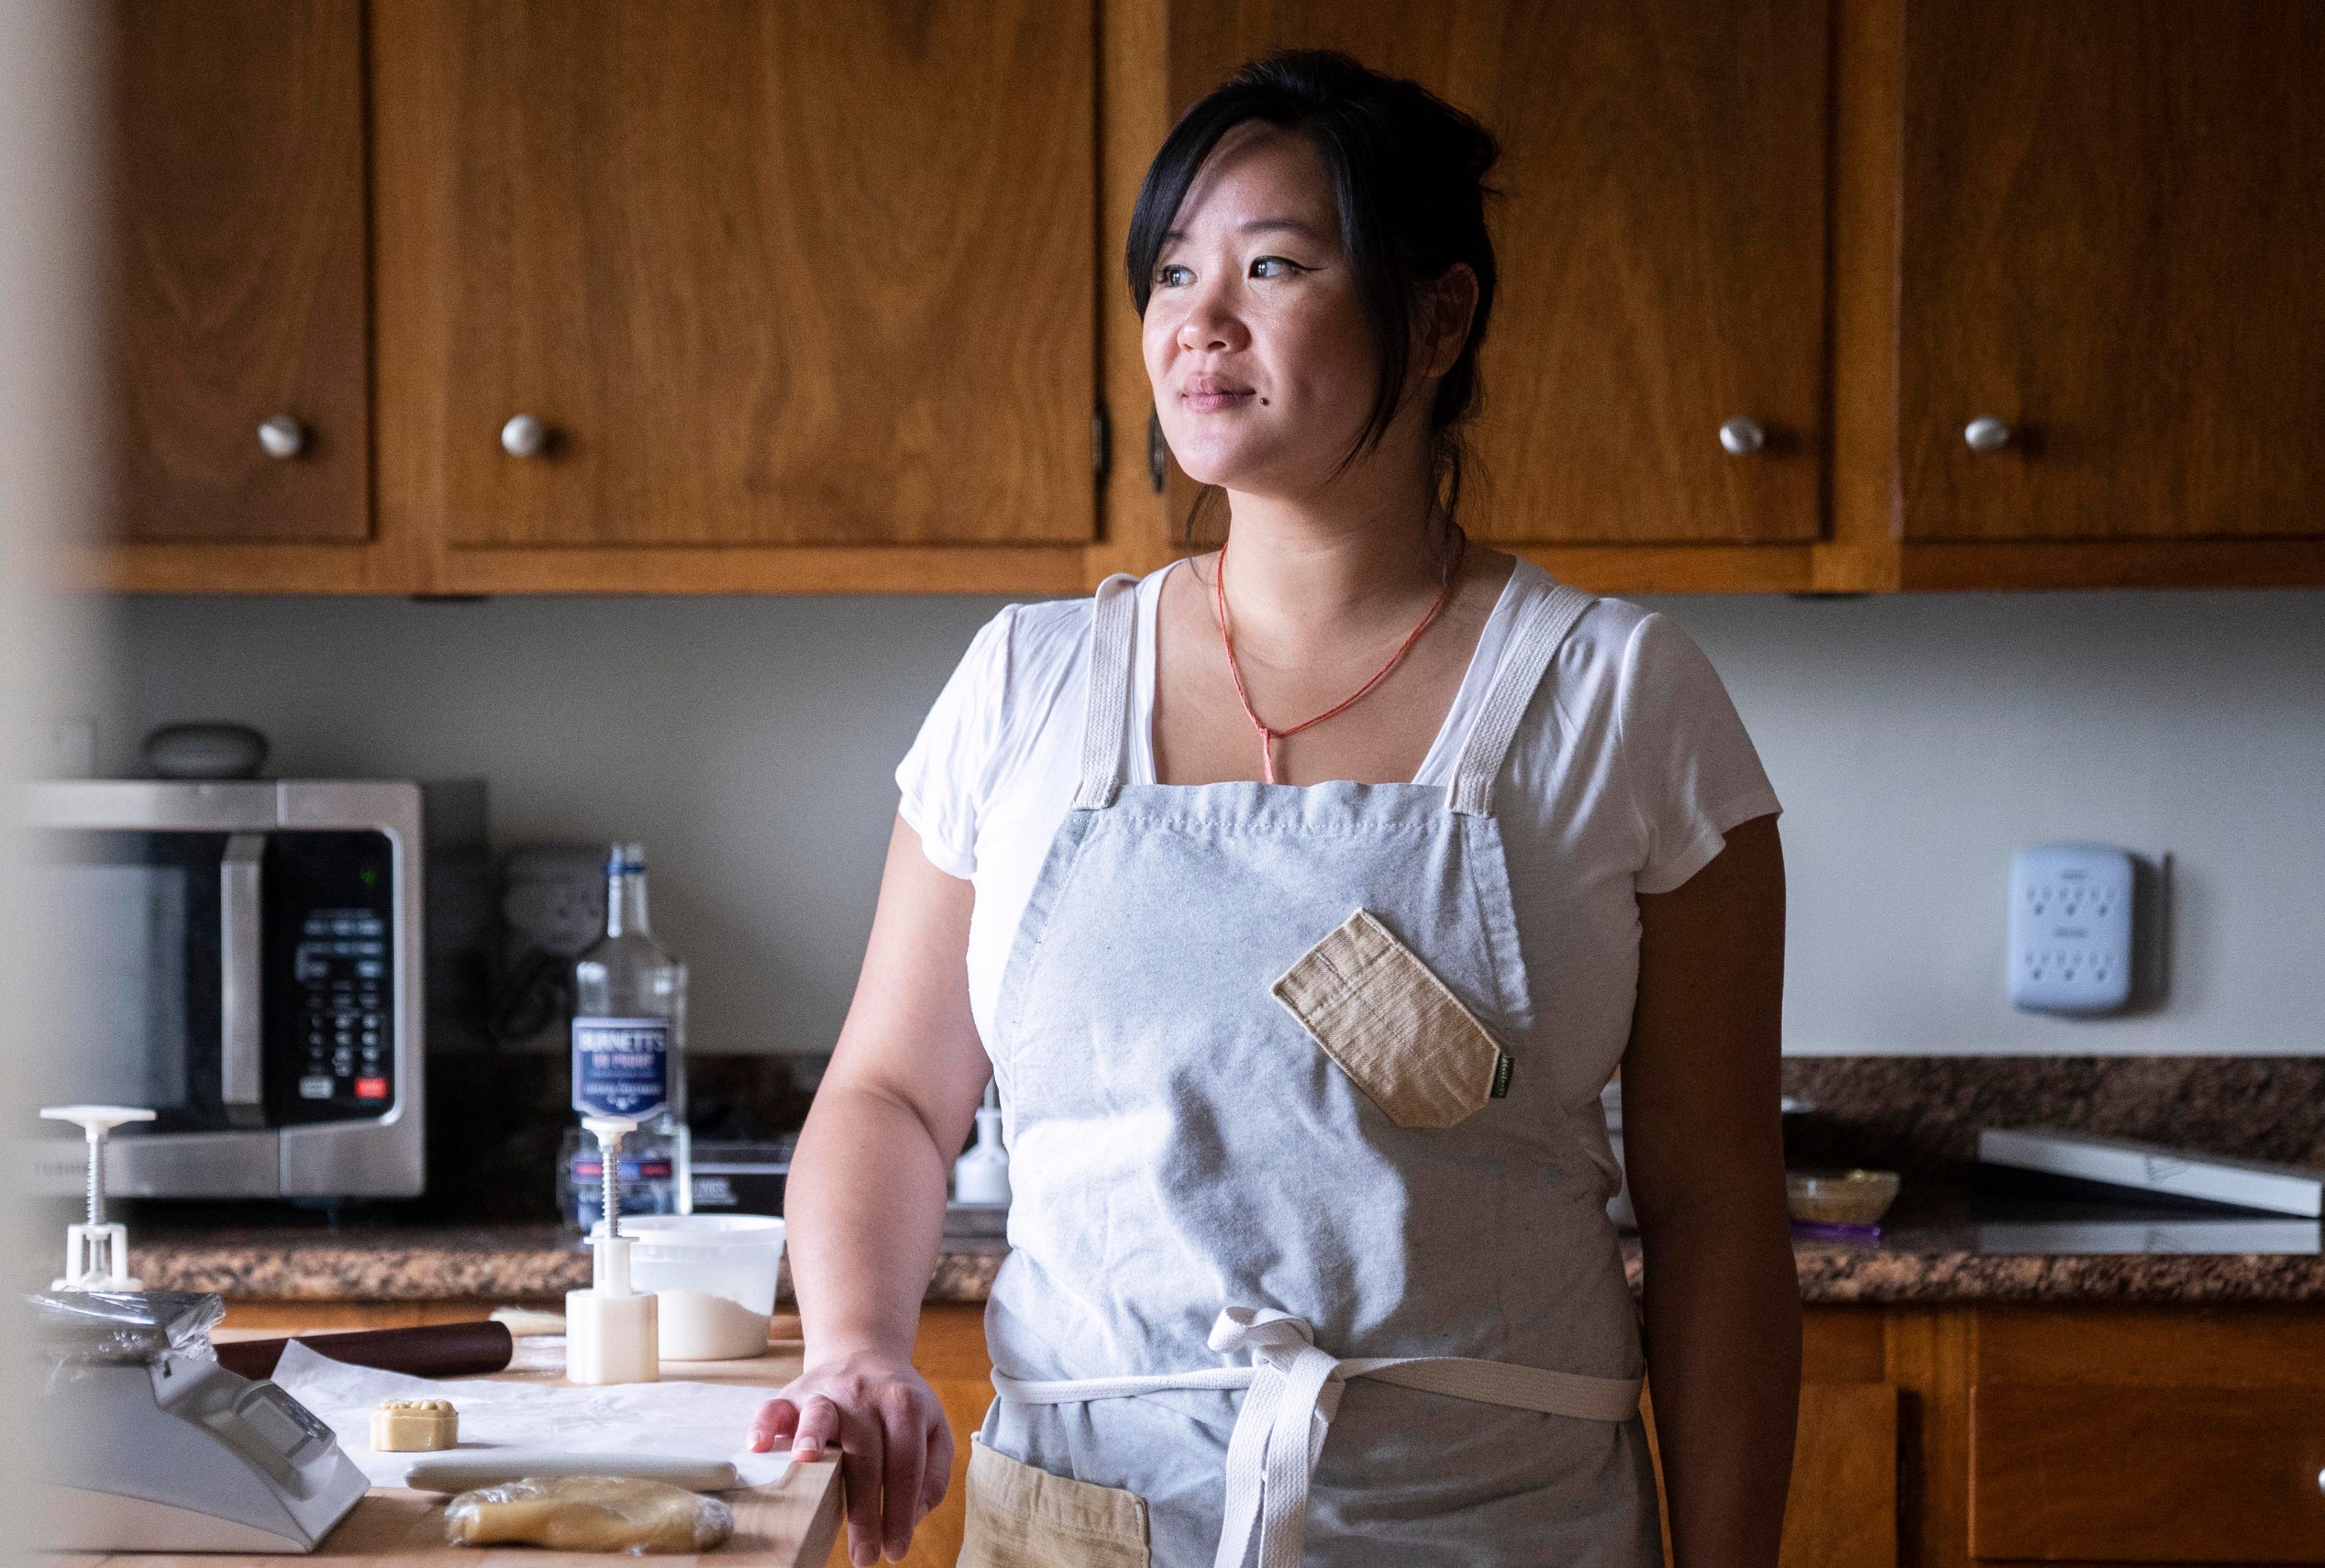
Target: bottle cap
(624,858)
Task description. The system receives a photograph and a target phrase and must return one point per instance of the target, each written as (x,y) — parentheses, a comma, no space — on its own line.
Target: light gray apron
(1288,1161)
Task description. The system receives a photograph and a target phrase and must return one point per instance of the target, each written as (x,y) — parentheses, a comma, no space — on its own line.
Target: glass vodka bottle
(629,1049)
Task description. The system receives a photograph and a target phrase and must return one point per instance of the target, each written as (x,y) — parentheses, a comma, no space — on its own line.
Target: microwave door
(144,921)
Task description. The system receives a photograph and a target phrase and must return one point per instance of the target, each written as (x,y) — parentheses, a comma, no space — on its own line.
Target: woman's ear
(1441,326)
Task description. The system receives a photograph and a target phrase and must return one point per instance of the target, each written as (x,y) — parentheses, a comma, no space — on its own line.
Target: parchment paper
(684,1420)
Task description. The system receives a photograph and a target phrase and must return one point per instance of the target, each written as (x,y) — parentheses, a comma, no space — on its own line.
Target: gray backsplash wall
(1916,741)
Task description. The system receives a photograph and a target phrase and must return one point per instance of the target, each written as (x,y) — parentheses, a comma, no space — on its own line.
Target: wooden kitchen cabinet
(770,274)
(2186,1436)
(1661,236)
(2106,250)
(236,282)
(815,297)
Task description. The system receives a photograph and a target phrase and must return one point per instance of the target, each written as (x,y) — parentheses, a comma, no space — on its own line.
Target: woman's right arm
(864,1206)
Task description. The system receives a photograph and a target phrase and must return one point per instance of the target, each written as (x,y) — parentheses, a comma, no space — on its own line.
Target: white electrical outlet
(553,896)
(2070,928)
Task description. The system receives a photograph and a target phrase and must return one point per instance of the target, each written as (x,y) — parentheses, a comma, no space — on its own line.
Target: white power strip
(2070,929)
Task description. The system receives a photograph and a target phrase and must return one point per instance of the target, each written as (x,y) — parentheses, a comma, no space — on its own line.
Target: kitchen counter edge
(537,1263)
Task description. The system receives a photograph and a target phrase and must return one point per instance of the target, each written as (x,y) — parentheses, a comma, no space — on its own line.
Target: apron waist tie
(1294,1391)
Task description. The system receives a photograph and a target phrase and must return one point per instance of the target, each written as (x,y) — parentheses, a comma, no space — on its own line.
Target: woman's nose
(1210,323)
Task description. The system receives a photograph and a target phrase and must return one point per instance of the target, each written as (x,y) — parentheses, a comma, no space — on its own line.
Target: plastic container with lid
(715,1274)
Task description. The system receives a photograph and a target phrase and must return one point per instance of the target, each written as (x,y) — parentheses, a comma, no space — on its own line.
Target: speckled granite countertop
(1942,1258)
(1948,1260)
(383,1263)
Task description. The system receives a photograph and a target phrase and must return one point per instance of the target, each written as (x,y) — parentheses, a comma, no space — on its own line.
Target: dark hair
(1408,171)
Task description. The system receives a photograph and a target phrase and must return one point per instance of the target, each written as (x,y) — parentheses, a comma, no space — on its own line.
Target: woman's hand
(896,1451)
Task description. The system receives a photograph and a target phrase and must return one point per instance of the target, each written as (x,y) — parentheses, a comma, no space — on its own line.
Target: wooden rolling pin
(439,1350)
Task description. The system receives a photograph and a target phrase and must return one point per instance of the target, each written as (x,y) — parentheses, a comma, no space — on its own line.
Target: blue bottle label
(621,1067)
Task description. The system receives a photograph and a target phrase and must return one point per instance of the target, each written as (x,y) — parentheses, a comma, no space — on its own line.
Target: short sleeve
(942,778)
(1694,772)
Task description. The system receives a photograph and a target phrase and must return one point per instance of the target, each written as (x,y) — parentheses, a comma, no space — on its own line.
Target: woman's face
(1262,365)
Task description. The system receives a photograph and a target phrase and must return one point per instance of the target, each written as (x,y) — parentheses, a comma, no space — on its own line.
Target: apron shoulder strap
(1542,629)
(1106,717)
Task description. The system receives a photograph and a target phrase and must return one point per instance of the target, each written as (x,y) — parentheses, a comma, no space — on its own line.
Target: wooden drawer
(2088,1472)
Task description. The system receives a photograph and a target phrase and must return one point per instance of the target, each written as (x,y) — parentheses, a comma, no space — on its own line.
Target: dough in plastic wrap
(589,1513)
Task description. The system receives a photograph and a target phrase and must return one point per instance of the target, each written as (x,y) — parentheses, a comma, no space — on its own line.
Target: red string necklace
(1268,737)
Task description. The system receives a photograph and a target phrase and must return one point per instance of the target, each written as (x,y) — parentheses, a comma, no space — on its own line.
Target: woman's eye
(1171,275)
(1274,266)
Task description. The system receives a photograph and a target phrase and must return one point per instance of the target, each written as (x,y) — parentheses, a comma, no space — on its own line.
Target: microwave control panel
(331,905)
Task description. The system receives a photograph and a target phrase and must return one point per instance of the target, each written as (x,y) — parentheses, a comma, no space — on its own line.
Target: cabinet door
(768,272)
(1842,1508)
(1661,241)
(2109,247)
(236,272)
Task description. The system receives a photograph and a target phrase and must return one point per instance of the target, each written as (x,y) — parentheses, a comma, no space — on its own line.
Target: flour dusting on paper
(684,1420)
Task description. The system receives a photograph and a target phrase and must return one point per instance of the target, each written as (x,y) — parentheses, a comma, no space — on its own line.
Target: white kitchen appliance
(147,1445)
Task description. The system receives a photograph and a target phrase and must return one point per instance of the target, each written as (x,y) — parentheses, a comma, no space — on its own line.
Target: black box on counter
(741,1178)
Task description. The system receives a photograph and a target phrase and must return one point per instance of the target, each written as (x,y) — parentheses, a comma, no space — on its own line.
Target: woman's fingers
(936,1474)
(904,1424)
(863,1456)
(777,1419)
(817,1429)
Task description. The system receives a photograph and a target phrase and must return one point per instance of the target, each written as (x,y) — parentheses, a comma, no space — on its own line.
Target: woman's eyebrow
(1256,226)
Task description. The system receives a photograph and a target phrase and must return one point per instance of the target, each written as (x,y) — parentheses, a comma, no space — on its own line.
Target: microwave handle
(241,981)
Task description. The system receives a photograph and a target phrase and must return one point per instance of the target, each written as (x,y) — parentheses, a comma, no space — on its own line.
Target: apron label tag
(1502,1068)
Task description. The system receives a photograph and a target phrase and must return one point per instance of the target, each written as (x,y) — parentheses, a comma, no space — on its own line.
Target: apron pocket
(1392,1026)
(1022,1517)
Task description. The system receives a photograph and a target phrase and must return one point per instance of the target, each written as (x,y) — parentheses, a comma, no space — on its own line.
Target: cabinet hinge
(1158,452)
(1101,443)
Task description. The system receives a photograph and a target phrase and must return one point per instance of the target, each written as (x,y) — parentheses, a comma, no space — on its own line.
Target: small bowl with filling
(1841,1197)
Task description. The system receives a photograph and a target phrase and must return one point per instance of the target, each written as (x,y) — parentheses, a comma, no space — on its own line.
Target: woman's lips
(1202,398)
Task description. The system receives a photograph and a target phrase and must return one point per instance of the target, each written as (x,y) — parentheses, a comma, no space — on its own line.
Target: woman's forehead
(1259,176)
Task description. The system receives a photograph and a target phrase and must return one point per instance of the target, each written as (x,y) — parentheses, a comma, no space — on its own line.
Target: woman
(1301,898)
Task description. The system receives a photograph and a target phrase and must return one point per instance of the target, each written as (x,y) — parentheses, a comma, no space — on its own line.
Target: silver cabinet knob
(281,436)
(524,437)
(2321,1480)
(1740,437)
(1985,434)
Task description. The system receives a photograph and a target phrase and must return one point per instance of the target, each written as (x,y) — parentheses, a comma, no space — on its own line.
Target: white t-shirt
(1631,790)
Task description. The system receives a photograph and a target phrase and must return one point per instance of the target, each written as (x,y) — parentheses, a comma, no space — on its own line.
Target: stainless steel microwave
(251,960)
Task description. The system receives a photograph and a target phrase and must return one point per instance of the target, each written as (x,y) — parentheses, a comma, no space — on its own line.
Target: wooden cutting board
(791,1523)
